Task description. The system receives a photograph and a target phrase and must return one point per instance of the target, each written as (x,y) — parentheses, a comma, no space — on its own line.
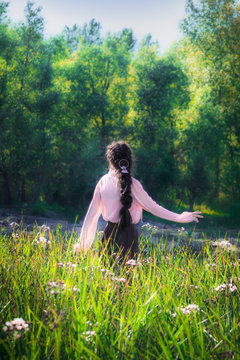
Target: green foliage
(42,208)
(63,99)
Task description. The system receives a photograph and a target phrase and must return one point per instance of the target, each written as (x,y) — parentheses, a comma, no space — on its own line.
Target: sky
(160,18)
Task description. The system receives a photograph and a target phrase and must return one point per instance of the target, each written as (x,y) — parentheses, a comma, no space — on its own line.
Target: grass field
(166,305)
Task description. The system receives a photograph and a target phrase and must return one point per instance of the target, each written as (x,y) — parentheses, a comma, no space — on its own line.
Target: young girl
(120,198)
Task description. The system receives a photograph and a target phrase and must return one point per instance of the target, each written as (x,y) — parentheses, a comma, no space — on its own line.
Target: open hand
(190,216)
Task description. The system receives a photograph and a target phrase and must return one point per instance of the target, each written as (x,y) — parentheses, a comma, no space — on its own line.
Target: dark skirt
(122,241)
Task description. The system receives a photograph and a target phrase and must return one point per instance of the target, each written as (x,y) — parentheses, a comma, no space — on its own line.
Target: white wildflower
(60,264)
(174,314)
(44,227)
(149,227)
(42,240)
(149,260)
(75,289)
(145,226)
(55,287)
(71,265)
(14,224)
(223,244)
(182,230)
(220,287)
(88,335)
(232,288)
(16,324)
(189,309)
(17,321)
(118,279)
(107,272)
(194,286)
(131,262)
(212,264)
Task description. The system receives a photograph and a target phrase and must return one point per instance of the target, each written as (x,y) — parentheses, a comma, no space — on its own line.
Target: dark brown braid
(117,151)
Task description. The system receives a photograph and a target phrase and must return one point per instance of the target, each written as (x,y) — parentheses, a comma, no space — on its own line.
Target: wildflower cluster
(106,272)
(14,225)
(68,265)
(16,325)
(131,262)
(232,288)
(223,244)
(88,335)
(148,260)
(212,264)
(44,228)
(189,309)
(119,280)
(194,286)
(42,240)
(182,231)
(113,277)
(92,269)
(149,227)
(55,287)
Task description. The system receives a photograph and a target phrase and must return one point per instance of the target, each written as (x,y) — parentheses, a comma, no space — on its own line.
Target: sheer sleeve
(90,222)
(148,204)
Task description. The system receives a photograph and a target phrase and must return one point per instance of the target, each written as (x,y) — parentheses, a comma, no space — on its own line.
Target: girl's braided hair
(117,151)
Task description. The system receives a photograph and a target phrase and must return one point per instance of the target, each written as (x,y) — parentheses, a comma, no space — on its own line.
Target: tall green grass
(106,310)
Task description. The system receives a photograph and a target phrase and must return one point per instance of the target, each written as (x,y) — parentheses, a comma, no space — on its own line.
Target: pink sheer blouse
(106,201)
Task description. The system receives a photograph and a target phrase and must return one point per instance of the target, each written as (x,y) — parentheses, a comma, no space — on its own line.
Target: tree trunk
(23,192)
(7,191)
(192,200)
(217,180)
(219,96)
(103,135)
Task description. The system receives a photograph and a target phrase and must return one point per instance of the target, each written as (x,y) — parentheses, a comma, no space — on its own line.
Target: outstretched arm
(90,222)
(148,204)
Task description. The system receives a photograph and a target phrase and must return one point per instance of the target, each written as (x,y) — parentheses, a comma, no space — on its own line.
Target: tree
(197,144)
(214,27)
(159,88)
(17,126)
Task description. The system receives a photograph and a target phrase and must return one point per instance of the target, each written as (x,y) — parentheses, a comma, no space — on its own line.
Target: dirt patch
(174,234)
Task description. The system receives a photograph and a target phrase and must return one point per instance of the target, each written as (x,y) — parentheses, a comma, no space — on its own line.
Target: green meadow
(169,304)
